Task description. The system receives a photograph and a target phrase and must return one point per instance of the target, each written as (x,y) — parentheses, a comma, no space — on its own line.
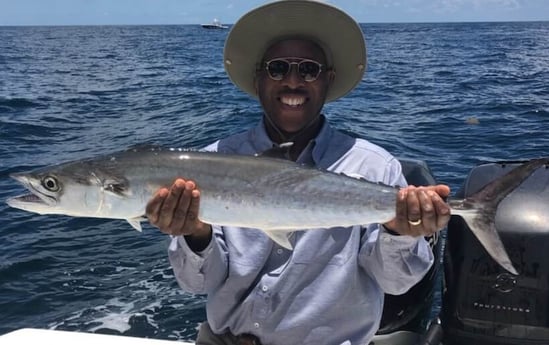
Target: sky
(134,12)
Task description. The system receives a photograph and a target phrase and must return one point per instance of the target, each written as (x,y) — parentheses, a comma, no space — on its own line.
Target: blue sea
(454,95)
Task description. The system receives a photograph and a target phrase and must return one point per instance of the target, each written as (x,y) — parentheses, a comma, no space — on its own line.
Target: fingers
(192,214)
(421,211)
(152,209)
(413,205)
(401,208)
(177,204)
(175,210)
(167,211)
(441,189)
(441,208)
(428,213)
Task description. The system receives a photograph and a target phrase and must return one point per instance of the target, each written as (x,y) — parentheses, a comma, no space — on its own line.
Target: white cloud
(450,6)
(507,4)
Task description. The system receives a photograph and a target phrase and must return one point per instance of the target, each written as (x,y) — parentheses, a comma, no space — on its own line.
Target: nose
(292,78)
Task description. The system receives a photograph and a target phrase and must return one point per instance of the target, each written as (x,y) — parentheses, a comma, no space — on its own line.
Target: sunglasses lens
(309,70)
(278,68)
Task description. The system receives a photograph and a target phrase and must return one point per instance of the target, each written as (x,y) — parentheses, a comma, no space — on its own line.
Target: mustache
(286,91)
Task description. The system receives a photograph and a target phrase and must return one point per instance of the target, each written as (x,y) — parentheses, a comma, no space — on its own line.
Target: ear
(331,76)
(256,86)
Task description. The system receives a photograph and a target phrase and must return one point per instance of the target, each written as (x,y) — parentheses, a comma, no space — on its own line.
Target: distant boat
(216,24)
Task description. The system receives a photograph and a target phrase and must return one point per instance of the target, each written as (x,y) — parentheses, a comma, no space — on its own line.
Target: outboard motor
(411,311)
(482,303)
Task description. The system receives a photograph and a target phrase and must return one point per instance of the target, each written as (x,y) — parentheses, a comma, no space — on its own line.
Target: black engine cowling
(482,303)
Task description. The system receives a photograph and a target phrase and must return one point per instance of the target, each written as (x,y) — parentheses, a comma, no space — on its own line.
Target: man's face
(293,102)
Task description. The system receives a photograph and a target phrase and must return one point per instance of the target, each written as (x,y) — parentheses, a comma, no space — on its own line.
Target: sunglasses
(278,68)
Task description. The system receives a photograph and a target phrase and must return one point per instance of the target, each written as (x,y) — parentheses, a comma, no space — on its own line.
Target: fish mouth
(35,197)
(26,199)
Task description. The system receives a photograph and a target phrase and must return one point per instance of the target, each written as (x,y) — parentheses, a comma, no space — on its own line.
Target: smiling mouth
(293,101)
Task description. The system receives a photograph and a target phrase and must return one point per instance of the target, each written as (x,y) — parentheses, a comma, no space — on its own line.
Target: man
(295,55)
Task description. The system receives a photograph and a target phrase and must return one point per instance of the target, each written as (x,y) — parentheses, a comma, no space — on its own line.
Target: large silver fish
(273,195)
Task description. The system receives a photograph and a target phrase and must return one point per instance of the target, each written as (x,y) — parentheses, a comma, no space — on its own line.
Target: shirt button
(256,325)
(264,288)
(279,251)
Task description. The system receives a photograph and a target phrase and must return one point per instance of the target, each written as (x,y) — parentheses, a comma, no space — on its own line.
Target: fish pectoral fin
(280,237)
(136,223)
(116,187)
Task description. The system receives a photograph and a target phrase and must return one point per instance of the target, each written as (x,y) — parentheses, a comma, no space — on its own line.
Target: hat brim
(329,26)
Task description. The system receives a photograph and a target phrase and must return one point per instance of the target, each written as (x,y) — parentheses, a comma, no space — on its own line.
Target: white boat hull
(55,337)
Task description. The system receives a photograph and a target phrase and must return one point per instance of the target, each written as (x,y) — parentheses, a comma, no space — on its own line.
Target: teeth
(293,101)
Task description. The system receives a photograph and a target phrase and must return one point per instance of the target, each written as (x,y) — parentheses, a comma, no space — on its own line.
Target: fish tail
(479,210)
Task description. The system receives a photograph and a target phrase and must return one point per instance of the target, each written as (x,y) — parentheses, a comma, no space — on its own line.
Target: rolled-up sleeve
(198,272)
(396,262)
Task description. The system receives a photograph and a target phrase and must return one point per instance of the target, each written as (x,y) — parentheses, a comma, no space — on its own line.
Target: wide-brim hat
(332,29)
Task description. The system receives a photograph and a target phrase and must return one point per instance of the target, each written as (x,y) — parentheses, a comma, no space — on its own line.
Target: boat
(55,337)
(215,24)
(481,304)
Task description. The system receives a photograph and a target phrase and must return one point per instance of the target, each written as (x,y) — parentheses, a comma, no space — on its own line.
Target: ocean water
(454,95)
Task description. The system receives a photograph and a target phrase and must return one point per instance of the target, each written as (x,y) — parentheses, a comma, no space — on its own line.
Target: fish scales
(259,192)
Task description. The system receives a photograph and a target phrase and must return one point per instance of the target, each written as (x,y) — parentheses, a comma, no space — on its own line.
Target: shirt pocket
(334,246)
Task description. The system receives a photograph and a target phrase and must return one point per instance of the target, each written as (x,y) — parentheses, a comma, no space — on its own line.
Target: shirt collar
(316,148)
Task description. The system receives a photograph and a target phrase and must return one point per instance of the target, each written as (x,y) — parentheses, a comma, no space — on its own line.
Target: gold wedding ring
(414,222)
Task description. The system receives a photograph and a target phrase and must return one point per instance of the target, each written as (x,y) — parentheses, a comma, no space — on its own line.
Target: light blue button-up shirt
(330,288)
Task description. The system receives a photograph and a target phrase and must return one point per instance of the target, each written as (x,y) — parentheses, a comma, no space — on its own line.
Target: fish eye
(50,183)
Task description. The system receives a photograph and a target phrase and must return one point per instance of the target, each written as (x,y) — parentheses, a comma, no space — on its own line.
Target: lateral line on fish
(235,192)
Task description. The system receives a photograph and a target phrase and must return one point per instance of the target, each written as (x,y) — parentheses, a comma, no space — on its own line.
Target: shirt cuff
(397,241)
(389,231)
(180,242)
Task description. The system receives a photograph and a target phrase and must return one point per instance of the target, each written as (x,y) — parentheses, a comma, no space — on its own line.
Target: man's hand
(175,212)
(420,211)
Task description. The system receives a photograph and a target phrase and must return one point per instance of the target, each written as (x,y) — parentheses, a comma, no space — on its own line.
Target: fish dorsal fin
(281,151)
(280,237)
(363,178)
(145,147)
(353,175)
(158,148)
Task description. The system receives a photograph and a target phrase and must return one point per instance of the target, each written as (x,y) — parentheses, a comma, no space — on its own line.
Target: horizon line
(231,24)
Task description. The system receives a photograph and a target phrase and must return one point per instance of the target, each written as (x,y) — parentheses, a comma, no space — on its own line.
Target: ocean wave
(12,104)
